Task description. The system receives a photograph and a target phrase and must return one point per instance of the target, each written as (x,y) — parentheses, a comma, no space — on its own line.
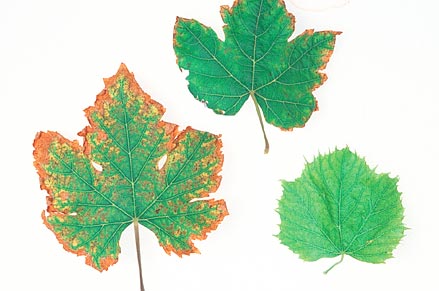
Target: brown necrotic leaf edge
(43,141)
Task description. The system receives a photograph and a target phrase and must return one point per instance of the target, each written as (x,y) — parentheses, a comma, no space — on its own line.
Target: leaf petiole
(341,260)
(139,259)
(261,122)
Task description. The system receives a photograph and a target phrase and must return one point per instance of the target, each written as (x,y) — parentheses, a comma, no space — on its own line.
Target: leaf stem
(139,259)
(341,260)
(261,122)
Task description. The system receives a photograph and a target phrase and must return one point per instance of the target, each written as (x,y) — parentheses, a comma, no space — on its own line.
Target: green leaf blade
(175,214)
(286,97)
(341,206)
(77,195)
(301,235)
(255,59)
(382,229)
(200,52)
(97,190)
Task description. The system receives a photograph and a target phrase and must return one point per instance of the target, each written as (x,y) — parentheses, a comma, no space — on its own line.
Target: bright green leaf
(96,190)
(339,206)
(255,59)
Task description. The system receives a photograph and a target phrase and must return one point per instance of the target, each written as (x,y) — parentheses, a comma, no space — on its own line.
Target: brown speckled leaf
(115,178)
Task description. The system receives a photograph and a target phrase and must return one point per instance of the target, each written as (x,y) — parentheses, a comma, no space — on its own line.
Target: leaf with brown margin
(257,60)
(96,190)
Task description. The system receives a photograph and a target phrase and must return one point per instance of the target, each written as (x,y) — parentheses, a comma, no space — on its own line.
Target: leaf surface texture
(96,190)
(339,206)
(256,59)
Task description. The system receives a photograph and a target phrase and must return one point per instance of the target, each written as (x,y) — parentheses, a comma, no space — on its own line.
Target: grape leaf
(339,206)
(96,190)
(257,60)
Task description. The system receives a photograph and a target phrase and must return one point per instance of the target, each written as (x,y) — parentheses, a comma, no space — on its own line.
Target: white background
(380,99)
